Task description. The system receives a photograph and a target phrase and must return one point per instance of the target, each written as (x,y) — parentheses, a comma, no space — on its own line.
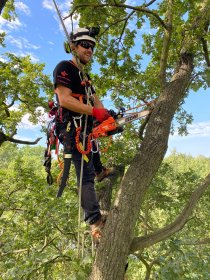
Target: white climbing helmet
(87,33)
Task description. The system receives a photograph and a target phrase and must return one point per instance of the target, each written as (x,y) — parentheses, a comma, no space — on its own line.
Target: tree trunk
(115,245)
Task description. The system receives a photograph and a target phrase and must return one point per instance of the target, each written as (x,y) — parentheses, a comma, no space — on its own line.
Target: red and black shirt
(67,74)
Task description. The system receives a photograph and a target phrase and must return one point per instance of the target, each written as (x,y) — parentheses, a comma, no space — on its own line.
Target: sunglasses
(86,45)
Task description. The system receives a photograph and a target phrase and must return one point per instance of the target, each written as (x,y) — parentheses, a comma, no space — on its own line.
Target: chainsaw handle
(104,128)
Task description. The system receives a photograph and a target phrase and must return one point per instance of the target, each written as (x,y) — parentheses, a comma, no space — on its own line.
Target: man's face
(84,50)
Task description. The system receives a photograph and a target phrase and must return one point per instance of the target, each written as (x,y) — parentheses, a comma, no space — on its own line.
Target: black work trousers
(89,201)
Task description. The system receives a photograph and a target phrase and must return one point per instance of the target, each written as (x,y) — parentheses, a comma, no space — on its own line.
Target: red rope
(83,152)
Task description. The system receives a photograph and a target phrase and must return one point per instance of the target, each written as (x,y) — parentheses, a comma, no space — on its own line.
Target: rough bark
(104,191)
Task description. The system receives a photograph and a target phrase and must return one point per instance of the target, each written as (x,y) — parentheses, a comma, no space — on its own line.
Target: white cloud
(130,2)
(14,107)
(7,25)
(16,42)
(197,129)
(48,4)
(201,129)
(27,124)
(33,57)
(2,59)
(22,43)
(64,8)
(23,8)
(15,24)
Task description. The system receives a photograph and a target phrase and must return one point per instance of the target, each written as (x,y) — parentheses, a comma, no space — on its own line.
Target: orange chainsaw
(114,124)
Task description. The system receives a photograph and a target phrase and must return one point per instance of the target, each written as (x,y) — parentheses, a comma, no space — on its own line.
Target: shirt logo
(64,74)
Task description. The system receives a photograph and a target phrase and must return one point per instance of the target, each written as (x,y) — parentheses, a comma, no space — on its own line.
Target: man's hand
(100,114)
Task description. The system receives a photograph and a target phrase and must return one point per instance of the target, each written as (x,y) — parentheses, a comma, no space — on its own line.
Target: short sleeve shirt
(68,75)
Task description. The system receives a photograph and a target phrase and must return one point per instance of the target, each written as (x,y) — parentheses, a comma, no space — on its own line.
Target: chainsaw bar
(132,117)
(112,126)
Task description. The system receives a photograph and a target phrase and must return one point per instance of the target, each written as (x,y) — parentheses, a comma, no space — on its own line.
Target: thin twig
(150,3)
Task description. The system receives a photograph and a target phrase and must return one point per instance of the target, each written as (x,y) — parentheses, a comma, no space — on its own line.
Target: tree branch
(140,243)
(4,138)
(198,242)
(147,265)
(150,3)
(148,268)
(205,46)
(17,141)
(125,19)
(54,259)
(116,5)
(14,252)
(117,21)
(125,23)
(143,126)
(47,243)
(205,50)
(166,44)
(6,107)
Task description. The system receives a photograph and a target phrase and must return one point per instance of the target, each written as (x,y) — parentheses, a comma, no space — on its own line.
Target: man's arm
(71,103)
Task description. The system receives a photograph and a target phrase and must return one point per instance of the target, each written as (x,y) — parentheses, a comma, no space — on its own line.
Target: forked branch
(140,243)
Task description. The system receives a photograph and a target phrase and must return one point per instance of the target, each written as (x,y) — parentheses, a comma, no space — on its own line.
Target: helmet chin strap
(80,64)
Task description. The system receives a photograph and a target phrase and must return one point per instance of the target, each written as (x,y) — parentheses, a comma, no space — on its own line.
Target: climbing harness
(113,125)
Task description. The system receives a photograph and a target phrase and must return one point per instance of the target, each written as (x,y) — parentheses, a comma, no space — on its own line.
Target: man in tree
(80,104)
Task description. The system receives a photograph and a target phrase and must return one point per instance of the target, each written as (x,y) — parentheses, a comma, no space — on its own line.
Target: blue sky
(38,33)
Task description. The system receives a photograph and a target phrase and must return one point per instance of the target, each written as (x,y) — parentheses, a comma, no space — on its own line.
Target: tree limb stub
(140,243)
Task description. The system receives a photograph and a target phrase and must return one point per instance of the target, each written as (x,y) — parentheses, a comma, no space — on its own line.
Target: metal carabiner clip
(75,121)
(95,145)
